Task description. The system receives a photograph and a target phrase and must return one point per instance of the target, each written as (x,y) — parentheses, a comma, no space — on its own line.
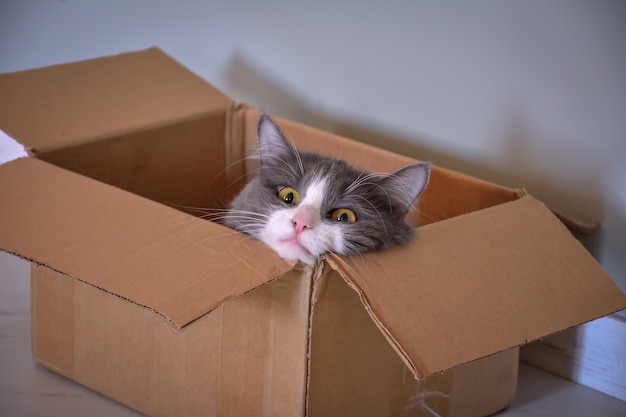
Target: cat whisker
(361,180)
(227,168)
(195,223)
(286,163)
(238,179)
(380,216)
(194,209)
(204,211)
(221,235)
(249,220)
(299,159)
(288,173)
(381,188)
(295,151)
(250,214)
(211,213)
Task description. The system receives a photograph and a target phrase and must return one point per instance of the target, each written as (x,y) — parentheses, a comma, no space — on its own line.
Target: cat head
(303,204)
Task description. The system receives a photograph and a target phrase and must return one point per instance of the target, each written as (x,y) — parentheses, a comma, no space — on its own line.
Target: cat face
(303,205)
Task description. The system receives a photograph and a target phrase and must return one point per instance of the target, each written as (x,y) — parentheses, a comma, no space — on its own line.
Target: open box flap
(178,265)
(103,97)
(481,283)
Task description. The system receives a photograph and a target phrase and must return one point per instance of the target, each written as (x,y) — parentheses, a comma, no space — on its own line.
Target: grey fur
(380,202)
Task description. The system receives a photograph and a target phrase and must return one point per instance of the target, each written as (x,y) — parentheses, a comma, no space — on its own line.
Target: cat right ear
(406,184)
(275,151)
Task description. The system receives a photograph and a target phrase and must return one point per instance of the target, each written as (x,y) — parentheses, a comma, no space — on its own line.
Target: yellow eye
(343,215)
(289,195)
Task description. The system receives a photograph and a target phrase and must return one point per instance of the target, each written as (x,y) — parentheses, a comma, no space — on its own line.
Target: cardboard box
(174,315)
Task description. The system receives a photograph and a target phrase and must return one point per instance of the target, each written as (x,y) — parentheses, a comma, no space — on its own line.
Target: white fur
(280,234)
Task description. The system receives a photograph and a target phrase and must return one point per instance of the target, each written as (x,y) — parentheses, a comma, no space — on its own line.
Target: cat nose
(305,218)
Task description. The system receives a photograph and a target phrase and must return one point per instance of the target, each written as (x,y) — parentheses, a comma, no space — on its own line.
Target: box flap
(481,283)
(178,265)
(98,98)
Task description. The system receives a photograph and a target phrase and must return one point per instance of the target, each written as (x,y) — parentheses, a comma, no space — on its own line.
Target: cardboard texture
(137,296)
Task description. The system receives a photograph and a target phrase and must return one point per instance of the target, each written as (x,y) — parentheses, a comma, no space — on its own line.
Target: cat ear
(274,149)
(406,184)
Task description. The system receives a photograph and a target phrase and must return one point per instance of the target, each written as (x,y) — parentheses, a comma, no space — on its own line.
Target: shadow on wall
(250,84)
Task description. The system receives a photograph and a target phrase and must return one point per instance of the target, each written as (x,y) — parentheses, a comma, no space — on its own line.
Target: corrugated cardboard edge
(163,316)
(345,271)
(167,360)
(56,258)
(34,262)
(319,271)
(125,67)
(575,225)
(586,228)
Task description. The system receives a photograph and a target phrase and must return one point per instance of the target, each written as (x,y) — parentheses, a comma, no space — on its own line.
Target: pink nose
(305,218)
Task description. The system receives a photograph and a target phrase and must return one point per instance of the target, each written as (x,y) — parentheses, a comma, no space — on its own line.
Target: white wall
(529,92)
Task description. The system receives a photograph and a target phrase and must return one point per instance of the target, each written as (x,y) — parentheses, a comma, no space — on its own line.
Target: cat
(303,205)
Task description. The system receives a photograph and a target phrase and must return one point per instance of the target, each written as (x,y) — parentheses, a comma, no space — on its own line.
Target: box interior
(201,163)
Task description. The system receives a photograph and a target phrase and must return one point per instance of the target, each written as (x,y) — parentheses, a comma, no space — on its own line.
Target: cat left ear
(274,149)
(406,184)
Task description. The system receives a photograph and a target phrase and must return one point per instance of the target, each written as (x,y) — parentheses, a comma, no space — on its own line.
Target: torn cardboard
(175,315)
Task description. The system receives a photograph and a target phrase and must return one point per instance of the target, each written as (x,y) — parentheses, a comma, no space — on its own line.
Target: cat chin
(293,251)
(288,247)
(279,234)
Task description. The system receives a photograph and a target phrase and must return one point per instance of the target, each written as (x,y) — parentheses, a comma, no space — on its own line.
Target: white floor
(30,390)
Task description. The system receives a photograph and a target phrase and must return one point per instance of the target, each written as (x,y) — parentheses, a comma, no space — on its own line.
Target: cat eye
(343,215)
(289,195)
